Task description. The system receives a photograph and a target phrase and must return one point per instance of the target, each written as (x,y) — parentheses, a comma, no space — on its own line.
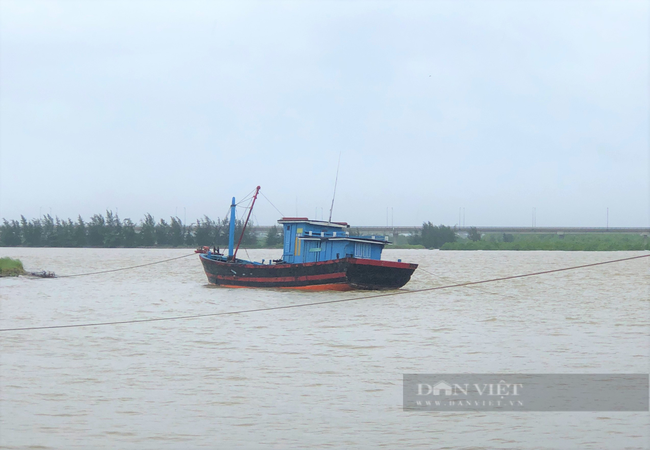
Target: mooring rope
(479,289)
(124,268)
(326,302)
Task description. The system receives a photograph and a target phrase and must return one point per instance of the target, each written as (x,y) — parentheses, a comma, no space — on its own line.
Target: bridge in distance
(395,231)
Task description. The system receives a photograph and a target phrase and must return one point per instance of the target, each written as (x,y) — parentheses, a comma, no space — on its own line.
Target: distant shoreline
(110,231)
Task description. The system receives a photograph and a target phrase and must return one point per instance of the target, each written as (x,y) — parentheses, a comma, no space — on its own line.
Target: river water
(321,376)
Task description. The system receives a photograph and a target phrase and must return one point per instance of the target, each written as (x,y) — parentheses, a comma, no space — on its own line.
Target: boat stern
(374,274)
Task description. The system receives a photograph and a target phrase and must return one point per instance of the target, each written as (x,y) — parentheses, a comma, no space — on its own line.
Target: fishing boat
(317,255)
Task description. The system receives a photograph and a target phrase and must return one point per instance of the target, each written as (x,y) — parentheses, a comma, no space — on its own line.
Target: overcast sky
(173,107)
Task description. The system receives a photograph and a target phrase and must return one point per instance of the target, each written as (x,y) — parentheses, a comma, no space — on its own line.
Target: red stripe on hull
(314,287)
(326,276)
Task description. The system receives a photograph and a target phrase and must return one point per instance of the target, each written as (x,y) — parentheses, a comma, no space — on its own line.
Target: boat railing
(223,258)
(341,234)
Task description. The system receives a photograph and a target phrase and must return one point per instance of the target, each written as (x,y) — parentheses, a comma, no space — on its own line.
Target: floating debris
(43,274)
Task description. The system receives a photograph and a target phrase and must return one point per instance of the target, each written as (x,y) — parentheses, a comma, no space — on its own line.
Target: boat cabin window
(287,242)
(361,250)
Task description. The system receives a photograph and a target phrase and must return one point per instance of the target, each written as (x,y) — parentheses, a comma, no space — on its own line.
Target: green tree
(205,232)
(273,237)
(436,236)
(96,231)
(148,231)
(80,233)
(32,232)
(249,238)
(10,234)
(48,236)
(129,236)
(190,239)
(64,231)
(162,233)
(222,232)
(176,232)
(474,235)
(415,238)
(113,235)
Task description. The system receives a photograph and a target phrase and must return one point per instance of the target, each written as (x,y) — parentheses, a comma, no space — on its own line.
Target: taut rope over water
(123,268)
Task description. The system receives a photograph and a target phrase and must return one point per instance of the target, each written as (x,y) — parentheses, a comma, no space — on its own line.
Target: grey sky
(494,106)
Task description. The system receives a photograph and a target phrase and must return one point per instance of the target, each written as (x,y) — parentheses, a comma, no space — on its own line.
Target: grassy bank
(10,267)
(577,242)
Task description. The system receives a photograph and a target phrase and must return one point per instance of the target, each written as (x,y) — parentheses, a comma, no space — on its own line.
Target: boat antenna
(335,183)
(257,190)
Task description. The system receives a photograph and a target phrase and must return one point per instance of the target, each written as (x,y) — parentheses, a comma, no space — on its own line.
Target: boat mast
(335,183)
(231,235)
(245,223)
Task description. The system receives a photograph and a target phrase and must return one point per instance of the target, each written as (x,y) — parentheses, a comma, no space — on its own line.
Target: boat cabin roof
(318,223)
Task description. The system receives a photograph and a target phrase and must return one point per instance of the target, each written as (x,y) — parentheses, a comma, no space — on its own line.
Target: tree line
(111,231)
(433,236)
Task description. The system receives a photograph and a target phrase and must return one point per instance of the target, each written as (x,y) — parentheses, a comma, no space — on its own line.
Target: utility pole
(534,221)
(608,218)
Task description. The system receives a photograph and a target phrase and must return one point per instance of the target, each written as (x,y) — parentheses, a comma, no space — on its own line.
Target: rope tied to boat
(124,268)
